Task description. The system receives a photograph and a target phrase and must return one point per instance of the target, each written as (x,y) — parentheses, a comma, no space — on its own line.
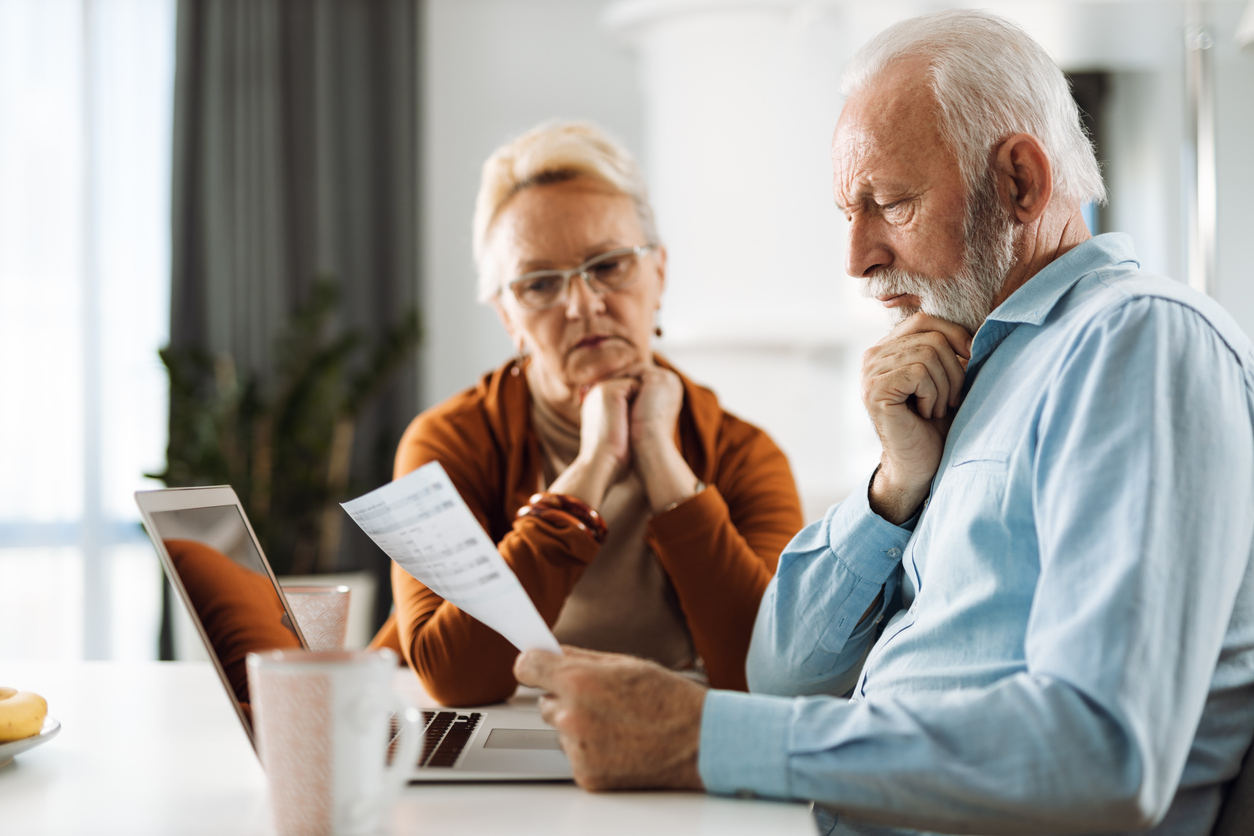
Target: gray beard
(966,298)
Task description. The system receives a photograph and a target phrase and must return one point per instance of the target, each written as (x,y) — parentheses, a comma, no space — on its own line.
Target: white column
(740,102)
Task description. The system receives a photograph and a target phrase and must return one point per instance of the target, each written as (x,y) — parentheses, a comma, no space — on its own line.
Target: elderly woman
(638,515)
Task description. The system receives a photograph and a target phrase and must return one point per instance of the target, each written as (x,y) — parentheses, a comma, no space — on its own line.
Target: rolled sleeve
(810,636)
(864,541)
(744,744)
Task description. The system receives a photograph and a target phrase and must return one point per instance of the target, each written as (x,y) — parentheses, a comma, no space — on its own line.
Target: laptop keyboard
(445,735)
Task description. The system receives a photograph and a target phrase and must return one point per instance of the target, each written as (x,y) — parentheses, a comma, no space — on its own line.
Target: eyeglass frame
(581,271)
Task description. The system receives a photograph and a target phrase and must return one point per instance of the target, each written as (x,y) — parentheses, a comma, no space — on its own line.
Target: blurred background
(276,196)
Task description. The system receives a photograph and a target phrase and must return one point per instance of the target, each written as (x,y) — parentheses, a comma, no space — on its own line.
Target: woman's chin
(586,366)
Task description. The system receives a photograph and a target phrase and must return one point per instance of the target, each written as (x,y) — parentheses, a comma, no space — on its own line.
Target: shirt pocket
(978,461)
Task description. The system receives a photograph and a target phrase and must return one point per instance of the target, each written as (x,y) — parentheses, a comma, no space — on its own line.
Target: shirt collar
(1032,302)
(1039,295)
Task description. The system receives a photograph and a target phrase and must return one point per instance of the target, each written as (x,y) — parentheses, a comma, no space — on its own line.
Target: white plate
(50,730)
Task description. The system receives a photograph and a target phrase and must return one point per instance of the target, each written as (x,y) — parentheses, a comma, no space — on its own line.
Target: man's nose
(868,251)
(581,299)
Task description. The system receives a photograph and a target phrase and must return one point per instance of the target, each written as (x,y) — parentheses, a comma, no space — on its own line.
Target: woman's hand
(604,441)
(655,411)
(604,422)
(630,421)
(654,417)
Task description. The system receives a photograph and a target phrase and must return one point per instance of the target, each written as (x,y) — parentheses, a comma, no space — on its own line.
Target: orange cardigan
(719,548)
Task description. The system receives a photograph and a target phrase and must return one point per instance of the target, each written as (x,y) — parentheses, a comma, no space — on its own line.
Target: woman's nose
(581,299)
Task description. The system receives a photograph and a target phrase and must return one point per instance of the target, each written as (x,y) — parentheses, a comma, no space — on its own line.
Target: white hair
(553,152)
(990,80)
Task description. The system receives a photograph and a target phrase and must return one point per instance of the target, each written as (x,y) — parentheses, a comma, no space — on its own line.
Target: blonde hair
(553,152)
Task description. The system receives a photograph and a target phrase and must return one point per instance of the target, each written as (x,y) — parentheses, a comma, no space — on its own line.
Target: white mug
(321,721)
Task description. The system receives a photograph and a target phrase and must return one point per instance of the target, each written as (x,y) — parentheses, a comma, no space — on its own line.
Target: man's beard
(966,297)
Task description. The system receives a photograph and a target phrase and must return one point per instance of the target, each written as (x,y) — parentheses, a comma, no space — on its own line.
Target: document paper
(422,523)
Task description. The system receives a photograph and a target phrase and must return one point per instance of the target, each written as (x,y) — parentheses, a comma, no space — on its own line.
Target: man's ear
(1025,179)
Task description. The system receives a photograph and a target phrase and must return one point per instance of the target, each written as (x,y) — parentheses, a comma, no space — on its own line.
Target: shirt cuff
(864,541)
(744,744)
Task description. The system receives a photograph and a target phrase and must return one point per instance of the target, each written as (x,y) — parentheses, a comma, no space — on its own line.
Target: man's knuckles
(575,724)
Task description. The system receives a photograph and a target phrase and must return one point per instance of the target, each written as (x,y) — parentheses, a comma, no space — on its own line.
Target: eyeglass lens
(606,272)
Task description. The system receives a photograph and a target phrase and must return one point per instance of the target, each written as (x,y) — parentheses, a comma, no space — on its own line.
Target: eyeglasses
(606,272)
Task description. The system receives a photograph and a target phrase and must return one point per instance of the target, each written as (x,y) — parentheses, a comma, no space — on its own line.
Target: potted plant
(285,445)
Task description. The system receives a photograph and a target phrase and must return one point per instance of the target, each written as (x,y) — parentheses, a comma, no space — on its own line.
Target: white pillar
(740,102)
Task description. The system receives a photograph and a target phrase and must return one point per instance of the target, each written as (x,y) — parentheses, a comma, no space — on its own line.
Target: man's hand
(623,722)
(911,384)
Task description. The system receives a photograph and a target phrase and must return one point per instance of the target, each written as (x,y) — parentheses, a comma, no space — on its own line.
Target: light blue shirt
(1068,629)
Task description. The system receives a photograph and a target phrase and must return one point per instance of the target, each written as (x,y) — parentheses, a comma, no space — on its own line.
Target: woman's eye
(609,269)
(540,284)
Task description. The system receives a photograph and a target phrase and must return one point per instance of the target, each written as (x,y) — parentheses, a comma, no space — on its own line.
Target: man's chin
(903,312)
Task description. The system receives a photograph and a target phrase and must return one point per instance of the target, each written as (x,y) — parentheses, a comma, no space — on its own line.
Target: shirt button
(894,552)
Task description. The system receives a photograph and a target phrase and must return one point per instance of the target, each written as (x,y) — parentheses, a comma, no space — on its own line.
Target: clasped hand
(911,386)
(629,421)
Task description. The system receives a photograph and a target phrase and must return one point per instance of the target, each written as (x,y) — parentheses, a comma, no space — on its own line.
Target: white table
(156,749)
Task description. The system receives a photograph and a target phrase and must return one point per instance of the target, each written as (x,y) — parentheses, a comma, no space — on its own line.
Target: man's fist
(911,385)
(623,722)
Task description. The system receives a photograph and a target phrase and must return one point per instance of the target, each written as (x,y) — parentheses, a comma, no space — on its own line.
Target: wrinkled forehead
(891,125)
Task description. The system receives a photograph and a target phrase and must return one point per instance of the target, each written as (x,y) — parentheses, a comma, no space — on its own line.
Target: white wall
(492,69)
(730,105)
(1234,83)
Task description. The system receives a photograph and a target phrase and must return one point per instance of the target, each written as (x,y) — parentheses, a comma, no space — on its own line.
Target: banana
(22,714)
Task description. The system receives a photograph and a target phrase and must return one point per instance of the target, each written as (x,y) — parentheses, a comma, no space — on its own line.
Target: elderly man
(1046,584)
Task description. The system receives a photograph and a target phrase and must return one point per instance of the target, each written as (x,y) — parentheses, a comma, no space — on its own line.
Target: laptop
(216,566)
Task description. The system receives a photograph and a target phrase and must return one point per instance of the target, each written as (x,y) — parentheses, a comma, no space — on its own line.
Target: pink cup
(321,612)
(321,720)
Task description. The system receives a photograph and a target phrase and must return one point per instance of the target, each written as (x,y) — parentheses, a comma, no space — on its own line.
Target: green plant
(284,445)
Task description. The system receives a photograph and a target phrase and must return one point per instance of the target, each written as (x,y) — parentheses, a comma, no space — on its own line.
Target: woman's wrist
(587,478)
(667,478)
(655,447)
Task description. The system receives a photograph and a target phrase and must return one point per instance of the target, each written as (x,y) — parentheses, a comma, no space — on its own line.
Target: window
(85,119)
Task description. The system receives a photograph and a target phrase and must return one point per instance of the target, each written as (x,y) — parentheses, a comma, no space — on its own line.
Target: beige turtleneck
(624,602)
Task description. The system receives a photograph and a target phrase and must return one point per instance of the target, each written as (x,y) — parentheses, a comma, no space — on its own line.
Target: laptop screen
(228,587)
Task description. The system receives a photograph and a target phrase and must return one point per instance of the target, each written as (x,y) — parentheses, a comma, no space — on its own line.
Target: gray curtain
(295,157)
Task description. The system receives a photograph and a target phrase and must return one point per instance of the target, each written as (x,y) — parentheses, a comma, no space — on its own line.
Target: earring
(657,330)
(520,357)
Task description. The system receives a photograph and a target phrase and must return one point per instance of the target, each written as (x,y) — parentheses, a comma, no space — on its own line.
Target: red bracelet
(546,512)
(580,512)
(574,506)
